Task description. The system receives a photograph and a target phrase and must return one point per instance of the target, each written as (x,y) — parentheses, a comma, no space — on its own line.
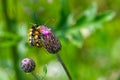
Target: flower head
(27,65)
(45,31)
(42,36)
(50,41)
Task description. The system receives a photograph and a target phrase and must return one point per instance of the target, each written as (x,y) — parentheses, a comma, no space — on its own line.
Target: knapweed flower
(27,65)
(50,41)
(42,36)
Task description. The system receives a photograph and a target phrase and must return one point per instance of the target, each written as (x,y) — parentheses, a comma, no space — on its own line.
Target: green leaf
(70,20)
(8,39)
(64,13)
(75,37)
(91,12)
(88,15)
(44,72)
(65,7)
(105,16)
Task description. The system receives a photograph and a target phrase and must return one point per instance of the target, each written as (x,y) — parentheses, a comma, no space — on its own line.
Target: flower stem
(65,68)
(35,76)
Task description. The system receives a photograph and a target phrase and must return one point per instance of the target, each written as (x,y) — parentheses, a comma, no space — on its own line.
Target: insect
(34,36)
(41,36)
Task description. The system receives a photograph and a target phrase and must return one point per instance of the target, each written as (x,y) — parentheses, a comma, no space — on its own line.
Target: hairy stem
(65,68)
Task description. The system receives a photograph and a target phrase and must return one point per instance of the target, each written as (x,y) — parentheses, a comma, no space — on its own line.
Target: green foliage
(90,43)
(89,19)
(75,37)
(44,72)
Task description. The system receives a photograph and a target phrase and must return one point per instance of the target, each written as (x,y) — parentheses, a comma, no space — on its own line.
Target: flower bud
(27,65)
(50,41)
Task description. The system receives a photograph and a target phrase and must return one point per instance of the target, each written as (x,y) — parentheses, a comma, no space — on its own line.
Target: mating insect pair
(41,36)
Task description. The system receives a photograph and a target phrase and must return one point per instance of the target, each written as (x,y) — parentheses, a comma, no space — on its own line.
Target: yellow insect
(34,36)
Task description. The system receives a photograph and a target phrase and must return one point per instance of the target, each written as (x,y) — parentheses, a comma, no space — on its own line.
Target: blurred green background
(89,32)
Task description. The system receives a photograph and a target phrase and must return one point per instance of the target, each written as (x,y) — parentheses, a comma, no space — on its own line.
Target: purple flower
(27,65)
(45,31)
(50,41)
(41,36)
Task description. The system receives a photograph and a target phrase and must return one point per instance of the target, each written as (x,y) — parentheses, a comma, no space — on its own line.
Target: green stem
(11,27)
(65,68)
(34,75)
